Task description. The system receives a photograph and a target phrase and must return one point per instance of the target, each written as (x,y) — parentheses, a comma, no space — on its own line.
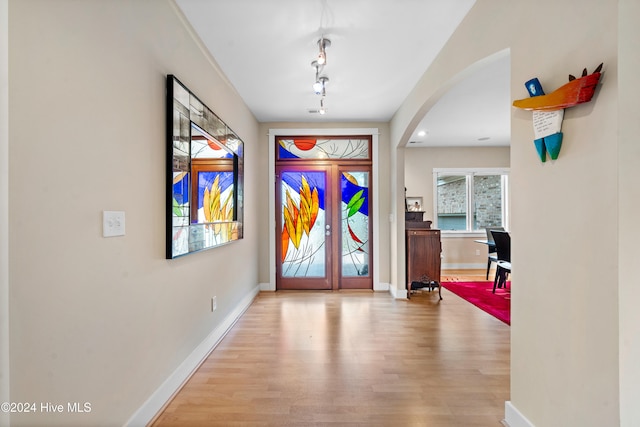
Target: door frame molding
(374,132)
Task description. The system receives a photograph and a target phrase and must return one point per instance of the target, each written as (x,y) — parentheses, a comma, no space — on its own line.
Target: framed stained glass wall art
(204,175)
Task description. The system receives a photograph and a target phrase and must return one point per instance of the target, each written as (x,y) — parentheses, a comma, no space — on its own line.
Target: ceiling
(379,50)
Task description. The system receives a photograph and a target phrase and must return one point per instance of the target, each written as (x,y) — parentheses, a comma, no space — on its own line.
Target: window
(469,200)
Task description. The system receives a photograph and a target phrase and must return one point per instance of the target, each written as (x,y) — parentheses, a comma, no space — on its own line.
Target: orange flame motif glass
(302,236)
(300,217)
(218,211)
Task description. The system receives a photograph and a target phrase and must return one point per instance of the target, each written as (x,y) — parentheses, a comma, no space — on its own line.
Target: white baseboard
(514,418)
(384,287)
(464,266)
(266,287)
(174,382)
(398,293)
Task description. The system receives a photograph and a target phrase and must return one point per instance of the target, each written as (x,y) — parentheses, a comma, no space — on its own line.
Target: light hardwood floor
(352,359)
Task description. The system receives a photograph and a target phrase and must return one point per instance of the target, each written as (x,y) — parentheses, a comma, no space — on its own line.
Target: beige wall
(629,198)
(93,319)
(565,317)
(4,208)
(382,163)
(578,382)
(457,252)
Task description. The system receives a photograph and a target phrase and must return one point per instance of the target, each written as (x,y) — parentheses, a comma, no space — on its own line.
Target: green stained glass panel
(355,224)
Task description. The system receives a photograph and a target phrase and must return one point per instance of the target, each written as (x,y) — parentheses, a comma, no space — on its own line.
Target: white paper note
(547,123)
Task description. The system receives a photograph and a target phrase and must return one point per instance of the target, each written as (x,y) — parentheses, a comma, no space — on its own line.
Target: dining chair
(492,257)
(502,240)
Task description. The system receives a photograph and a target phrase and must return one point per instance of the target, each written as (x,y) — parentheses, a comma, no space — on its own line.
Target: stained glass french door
(323,220)
(304,251)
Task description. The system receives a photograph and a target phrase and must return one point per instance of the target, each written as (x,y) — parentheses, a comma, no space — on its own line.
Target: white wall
(565,214)
(93,319)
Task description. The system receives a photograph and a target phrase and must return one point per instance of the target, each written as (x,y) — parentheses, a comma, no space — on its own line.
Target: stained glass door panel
(323,211)
(355,231)
(303,256)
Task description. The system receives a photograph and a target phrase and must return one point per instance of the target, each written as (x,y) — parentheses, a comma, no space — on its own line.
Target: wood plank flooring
(307,358)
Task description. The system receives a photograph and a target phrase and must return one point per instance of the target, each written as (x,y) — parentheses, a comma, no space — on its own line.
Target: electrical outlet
(214,303)
(477,251)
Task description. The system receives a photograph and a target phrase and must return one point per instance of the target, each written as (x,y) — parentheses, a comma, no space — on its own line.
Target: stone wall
(487,195)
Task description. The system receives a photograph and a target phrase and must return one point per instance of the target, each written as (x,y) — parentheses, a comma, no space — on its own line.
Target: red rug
(480,294)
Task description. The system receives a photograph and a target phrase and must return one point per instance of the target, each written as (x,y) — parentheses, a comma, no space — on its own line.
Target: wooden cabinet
(423,248)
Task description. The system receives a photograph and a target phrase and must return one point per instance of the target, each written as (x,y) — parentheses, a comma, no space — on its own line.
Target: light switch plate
(112,223)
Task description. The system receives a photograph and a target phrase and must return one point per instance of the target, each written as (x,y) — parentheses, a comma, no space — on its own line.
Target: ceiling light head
(322,58)
(319,87)
(323,44)
(322,110)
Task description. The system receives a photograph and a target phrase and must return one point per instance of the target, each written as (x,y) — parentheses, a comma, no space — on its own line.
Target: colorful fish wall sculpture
(548,110)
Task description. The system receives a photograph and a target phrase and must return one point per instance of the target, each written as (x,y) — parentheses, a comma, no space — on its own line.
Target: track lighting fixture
(320,85)
(323,44)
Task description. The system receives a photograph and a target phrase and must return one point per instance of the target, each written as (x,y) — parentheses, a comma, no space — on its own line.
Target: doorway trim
(374,132)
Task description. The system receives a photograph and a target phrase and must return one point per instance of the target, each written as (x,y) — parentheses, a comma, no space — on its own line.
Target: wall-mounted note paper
(547,123)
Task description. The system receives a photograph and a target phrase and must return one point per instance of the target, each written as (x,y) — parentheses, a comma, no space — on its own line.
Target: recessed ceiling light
(422,133)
